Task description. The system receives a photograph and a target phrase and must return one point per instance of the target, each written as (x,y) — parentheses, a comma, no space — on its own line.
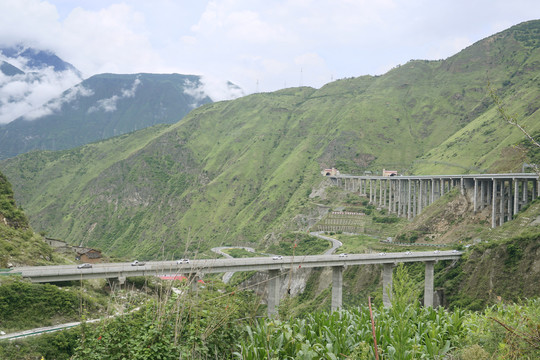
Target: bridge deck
(117,270)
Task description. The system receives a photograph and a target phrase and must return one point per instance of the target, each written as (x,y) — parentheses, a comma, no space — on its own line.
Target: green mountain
(238,172)
(19,245)
(101,107)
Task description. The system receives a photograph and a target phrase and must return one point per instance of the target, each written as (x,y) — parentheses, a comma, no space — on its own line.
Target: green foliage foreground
(427,333)
(403,331)
(204,324)
(218,322)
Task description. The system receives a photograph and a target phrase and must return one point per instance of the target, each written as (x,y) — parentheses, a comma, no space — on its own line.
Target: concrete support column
(194,282)
(509,201)
(420,196)
(475,205)
(494,203)
(428,283)
(117,282)
(501,203)
(432,200)
(525,192)
(428,191)
(386,182)
(390,193)
(387,284)
(273,292)
(381,182)
(482,193)
(399,199)
(370,191)
(489,196)
(442,188)
(462,186)
(337,287)
(409,209)
(516,196)
(414,199)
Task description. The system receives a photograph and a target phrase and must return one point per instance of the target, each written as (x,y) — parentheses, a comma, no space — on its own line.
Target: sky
(259,45)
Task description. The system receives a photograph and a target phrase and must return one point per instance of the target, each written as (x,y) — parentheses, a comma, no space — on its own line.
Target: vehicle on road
(343,255)
(138,263)
(277,257)
(182,261)
(84,266)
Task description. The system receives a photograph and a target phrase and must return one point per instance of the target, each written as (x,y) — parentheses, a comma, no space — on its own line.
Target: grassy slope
(512,69)
(18,243)
(231,172)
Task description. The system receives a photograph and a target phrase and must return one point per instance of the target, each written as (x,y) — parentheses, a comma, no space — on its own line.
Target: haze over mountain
(30,77)
(40,116)
(100,107)
(241,171)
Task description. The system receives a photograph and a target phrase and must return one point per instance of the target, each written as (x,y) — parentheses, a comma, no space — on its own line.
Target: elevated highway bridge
(407,196)
(119,271)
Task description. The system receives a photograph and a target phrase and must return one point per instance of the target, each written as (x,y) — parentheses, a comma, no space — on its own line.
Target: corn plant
(403,331)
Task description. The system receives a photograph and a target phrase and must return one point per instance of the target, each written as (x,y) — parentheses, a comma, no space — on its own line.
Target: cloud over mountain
(41,76)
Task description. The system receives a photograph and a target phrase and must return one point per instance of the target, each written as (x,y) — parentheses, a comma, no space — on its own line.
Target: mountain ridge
(237,172)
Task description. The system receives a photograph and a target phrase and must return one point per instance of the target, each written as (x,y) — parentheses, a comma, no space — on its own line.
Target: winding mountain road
(335,243)
(227,276)
(219,250)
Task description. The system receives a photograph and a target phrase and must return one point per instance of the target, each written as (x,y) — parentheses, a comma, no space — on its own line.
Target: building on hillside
(330,172)
(87,255)
(389,172)
(55,243)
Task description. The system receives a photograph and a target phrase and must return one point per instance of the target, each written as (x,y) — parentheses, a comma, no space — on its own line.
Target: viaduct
(119,271)
(407,196)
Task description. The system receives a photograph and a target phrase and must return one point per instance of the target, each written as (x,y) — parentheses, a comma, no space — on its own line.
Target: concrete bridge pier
(273,292)
(428,283)
(387,284)
(116,282)
(409,210)
(494,204)
(337,287)
(409,196)
(194,282)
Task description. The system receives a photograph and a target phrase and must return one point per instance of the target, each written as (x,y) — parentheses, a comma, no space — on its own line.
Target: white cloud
(113,39)
(30,21)
(55,105)
(216,89)
(23,93)
(109,104)
(219,89)
(260,45)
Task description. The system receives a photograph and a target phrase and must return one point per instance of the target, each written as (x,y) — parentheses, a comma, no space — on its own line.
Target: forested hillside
(234,172)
